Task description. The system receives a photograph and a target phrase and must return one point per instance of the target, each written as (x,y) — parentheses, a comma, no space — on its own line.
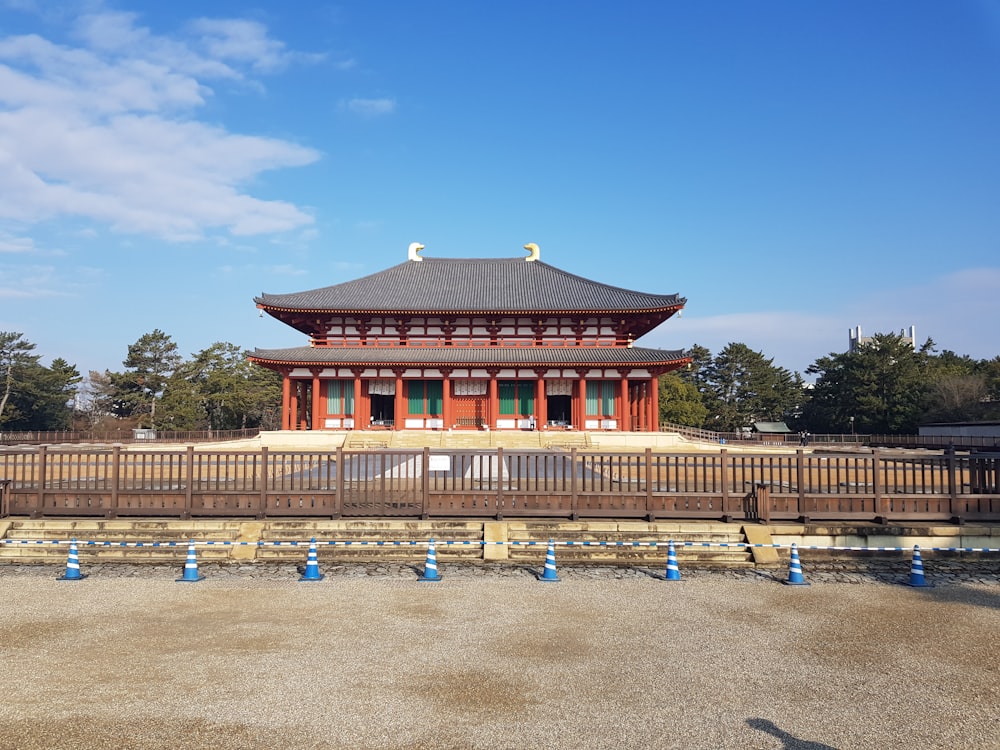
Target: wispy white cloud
(348,266)
(286,269)
(793,339)
(369,107)
(26,246)
(244,41)
(106,130)
(282,269)
(36,282)
(10,244)
(948,309)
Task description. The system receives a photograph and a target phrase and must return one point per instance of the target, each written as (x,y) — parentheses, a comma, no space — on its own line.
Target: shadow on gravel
(534,572)
(769,574)
(651,573)
(963,594)
(789,741)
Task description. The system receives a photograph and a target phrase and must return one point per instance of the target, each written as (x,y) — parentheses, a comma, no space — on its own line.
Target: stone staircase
(171,539)
(468,440)
(100,541)
(358,440)
(627,532)
(371,532)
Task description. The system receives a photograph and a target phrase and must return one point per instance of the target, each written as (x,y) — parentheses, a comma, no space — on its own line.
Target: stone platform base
(371,540)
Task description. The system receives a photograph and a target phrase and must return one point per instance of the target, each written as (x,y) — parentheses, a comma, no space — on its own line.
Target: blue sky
(794,169)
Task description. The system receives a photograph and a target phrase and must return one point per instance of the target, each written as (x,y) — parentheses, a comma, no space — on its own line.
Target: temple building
(477,343)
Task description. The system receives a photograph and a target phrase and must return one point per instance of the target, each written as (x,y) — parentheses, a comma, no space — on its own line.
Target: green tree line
(215,389)
(884,386)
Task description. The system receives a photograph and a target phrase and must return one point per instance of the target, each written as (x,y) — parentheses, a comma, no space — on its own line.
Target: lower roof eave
(484,358)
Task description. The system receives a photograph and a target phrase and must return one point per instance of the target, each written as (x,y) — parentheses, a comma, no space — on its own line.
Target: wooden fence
(791,439)
(50,437)
(427,483)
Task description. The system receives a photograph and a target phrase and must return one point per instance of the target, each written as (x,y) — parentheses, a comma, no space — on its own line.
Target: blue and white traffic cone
(431,566)
(191,567)
(917,579)
(673,572)
(72,565)
(549,572)
(312,564)
(795,570)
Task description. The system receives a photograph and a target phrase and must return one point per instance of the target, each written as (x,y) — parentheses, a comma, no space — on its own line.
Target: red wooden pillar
(303,408)
(644,408)
(580,402)
(317,402)
(293,405)
(623,405)
(446,406)
(654,404)
(400,402)
(286,387)
(541,406)
(574,402)
(492,400)
(640,406)
(360,420)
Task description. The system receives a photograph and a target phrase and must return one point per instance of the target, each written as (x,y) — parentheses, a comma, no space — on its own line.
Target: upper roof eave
(451,311)
(471,286)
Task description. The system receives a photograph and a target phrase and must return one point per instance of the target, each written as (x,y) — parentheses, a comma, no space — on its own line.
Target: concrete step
(57,554)
(101,540)
(107,537)
(365,535)
(467,440)
(628,532)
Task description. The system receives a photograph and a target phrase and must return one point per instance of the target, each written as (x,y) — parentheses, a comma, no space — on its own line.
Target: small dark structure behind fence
(182,483)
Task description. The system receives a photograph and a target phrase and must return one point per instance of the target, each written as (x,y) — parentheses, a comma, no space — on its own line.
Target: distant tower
(856,340)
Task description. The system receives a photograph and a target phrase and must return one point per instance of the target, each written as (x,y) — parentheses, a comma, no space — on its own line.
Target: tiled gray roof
(472,285)
(471,356)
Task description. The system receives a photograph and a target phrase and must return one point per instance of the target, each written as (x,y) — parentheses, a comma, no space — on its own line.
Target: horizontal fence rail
(939,442)
(181,483)
(54,437)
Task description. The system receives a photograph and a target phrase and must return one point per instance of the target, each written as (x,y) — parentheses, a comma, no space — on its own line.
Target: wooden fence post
(573,504)
(881,503)
(727,514)
(762,494)
(800,480)
(499,496)
(5,497)
(188,481)
(116,472)
(42,471)
(956,515)
(650,514)
(425,482)
(265,474)
(338,500)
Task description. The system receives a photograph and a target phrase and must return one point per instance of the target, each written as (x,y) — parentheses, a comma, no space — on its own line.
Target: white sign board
(439,463)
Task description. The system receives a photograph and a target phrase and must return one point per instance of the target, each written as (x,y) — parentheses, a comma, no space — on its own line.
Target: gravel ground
(491,658)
